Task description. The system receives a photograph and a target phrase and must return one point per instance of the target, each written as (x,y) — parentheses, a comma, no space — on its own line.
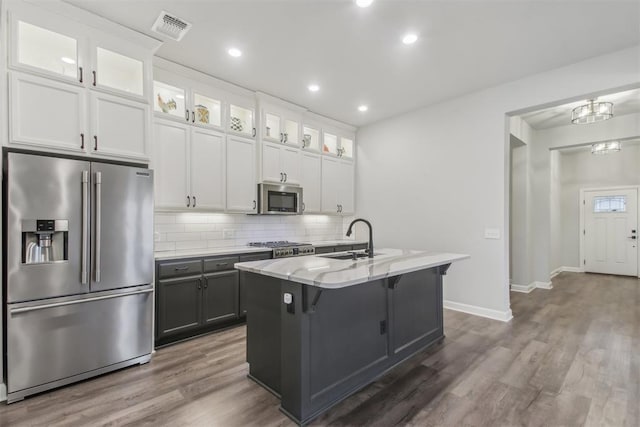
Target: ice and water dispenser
(45,241)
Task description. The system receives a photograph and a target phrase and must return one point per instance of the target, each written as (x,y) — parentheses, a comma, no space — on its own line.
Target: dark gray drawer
(220,264)
(343,248)
(179,268)
(324,249)
(255,257)
(360,246)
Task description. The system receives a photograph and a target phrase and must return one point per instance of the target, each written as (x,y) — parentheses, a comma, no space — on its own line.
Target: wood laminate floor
(570,356)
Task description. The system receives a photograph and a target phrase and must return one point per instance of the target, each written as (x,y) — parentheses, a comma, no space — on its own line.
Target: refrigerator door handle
(76,301)
(98,223)
(85,220)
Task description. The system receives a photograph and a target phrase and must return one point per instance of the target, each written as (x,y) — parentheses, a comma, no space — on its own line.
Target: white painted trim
(3,392)
(525,289)
(582,224)
(566,269)
(555,272)
(543,285)
(503,316)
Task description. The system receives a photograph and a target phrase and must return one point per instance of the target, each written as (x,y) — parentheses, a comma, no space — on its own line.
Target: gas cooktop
(284,248)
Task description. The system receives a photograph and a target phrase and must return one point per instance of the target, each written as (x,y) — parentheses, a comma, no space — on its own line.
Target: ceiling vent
(170,26)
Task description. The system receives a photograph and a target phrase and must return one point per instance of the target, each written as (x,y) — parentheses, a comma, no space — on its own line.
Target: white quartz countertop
(188,253)
(332,273)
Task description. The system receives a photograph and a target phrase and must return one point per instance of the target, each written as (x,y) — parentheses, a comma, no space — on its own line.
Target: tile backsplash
(178,231)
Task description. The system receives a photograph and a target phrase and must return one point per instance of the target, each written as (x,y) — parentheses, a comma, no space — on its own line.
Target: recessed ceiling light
(409,39)
(235,52)
(363,108)
(364,3)
(313,87)
(67,60)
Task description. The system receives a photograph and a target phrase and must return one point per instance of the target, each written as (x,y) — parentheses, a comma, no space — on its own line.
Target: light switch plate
(492,233)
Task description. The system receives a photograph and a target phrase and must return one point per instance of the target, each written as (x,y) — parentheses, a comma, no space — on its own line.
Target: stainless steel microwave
(276,199)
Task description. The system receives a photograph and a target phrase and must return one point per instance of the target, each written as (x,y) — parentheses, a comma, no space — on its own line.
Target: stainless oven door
(279,199)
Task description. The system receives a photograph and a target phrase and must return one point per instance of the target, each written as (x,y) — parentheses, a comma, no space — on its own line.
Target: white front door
(611,232)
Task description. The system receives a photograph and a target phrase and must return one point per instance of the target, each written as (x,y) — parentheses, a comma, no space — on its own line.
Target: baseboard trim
(525,289)
(566,269)
(543,285)
(503,316)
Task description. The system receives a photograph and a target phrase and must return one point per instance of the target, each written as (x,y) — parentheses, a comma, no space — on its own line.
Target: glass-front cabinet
(115,71)
(241,119)
(346,147)
(330,143)
(47,48)
(180,99)
(311,138)
(280,125)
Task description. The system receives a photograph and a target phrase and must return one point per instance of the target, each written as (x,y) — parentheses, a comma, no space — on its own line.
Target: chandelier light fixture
(592,112)
(606,147)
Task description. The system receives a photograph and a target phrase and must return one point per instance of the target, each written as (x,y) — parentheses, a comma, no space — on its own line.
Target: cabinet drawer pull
(185,268)
(222,264)
(94,77)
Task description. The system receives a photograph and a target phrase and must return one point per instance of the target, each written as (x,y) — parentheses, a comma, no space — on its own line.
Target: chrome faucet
(370,233)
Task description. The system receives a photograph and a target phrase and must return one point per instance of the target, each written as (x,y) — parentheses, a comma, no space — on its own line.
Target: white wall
(520,259)
(434,178)
(580,170)
(555,203)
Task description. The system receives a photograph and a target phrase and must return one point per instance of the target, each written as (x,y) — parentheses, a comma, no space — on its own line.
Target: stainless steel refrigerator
(78,270)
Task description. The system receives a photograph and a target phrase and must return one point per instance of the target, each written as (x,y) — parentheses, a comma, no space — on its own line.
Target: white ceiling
(627,102)
(356,55)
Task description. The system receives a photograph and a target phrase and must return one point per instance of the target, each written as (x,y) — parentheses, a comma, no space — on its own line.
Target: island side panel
(338,346)
(263,301)
(415,310)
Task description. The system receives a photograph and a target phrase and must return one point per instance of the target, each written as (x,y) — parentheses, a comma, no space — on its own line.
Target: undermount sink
(349,255)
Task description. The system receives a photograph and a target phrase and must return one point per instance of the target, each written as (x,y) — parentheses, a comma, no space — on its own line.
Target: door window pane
(120,72)
(47,50)
(168,99)
(609,204)
(207,110)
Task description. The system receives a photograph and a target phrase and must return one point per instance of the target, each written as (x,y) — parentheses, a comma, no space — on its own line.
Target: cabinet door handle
(281,137)
(285,177)
(337,208)
(254,132)
(94,77)
(80,71)
(286,137)
(193,117)
(95,142)
(194,201)
(254,204)
(188,201)
(186,115)
(199,284)
(206,283)
(281,177)
(82,141)
(303,207)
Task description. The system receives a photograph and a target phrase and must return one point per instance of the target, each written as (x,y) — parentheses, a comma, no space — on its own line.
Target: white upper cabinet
(241,175)
(118,127)
(280,164)
(280,125)
(337,186)
(178,98)
(47,113)
(76,88)
(47,47)
(171,165)
(208,170)
(311,182)
(330,143)
(190,165)
(311,138)
(241,117)
(346,147)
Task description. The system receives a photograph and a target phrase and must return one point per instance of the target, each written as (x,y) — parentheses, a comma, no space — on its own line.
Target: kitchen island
(321,327)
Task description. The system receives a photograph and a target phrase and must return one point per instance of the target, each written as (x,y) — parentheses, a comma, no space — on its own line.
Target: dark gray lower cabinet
(243,279)
(178,305)
(220,297)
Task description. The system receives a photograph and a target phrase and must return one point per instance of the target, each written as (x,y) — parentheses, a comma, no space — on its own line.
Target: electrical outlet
(492,233)
(228,234)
